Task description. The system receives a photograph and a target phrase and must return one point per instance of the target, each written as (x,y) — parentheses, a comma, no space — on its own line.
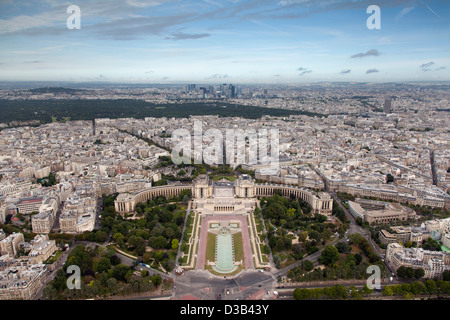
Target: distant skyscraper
(93,127)
(233,90)
(203,90)
(212,91)
(387,105)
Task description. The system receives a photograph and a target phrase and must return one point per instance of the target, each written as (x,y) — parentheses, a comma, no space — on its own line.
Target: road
(202,285)
(286,293)
(99,210)
(433,168)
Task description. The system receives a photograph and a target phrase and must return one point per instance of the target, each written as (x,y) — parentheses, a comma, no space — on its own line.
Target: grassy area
(188,233)
(238,247)
(258,223)
(211,247)
(261,248)
(188,230)
(54,258)
(229,178)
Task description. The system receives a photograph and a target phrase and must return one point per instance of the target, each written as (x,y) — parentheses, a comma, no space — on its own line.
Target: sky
(225,41)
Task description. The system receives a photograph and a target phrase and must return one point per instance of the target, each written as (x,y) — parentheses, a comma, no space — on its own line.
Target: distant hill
(57,90)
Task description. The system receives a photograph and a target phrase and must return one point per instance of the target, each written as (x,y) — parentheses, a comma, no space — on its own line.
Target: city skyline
(284,42)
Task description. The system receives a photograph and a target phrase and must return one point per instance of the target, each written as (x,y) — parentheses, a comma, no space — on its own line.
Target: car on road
(228,291)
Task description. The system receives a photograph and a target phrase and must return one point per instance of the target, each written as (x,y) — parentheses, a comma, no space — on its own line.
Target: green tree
(419,273)
(446,275)
(366,290)
(389,178)
(359,221)
(156,280)
(326,234)
(301,294)
(157,242)
(350,260)
(354,293)
(159,255)
(431,286)
(120,271)
(103,265)
(387,291)
(175,244)
(405,272)
(100,236)
(60,281)
(275,211)
(356,238)
(186,199)
(417,288)
(112,284)
(358,258)
(290,212)
(115,260)
(329,255)
(315,235)
(302,236)
(308,265)
(146,258)
(343,247)
(135,241)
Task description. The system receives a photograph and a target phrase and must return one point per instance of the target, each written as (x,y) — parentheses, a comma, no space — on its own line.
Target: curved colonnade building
(225,197)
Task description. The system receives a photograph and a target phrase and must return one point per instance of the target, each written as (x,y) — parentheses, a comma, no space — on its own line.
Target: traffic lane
(252,278)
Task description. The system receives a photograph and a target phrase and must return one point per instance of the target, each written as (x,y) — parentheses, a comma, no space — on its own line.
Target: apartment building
(21,282)
(41,249)
(434,263)
(78,214)
(10,245)
(43,221)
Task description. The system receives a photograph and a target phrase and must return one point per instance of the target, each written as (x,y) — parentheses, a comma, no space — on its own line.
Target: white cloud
(404,12)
